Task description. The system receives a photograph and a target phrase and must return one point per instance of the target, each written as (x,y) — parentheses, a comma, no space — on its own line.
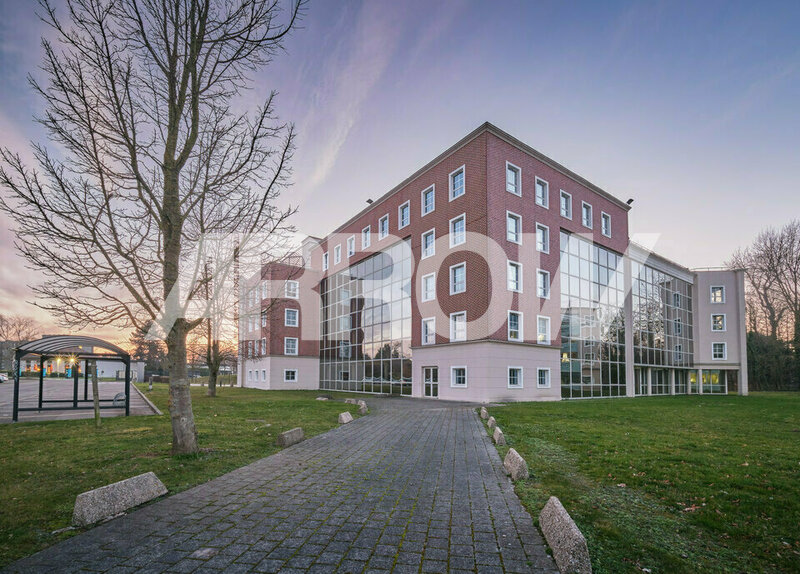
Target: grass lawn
(673,484)
(45,465)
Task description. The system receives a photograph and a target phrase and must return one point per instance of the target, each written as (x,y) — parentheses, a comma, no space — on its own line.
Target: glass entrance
(431,377)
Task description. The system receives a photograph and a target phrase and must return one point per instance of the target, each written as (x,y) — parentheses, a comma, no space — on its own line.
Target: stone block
(498,436)
(564,538)
(108,501)
(362,408)
(515,465)
(491,422)
(322,398)
(345,418)
(290,437)
(484,413)
(350,402)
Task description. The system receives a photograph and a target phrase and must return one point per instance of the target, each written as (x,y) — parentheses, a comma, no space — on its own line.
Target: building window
(290,345)
(290,375)
(428,200)
(337,254)
(457,183)
(458,278)
(543,283)
(263,318)
(291,317)
(543,378)
(514,276)
(605,224)
(718,323)
(325,261)
(566,204)
(458,376)
(429,243)
(249,348)
(264,289)
(542,238)
(458,326)
(351,246)
(263,346)
(676,300)
(249,375)
(678,353)
(586,215)
(366,234)
(543,330)
(719,351)
(678,326)
(292,290)
(429,331)
(429,287)
(403,215)
(344,349)
(513,227)
(717,294)
(458,230)
(515,377)
(513,179)
(383,227)
(542,193)
(515,326)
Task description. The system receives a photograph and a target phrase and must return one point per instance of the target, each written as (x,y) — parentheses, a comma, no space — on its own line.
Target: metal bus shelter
(55,346)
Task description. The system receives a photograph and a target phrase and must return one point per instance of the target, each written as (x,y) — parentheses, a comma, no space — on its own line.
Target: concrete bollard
(484,413)
(491,423)
(498,436)
(515,465)
(345,418)
(564,538)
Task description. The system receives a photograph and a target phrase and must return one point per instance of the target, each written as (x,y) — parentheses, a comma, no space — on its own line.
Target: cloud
(350,78)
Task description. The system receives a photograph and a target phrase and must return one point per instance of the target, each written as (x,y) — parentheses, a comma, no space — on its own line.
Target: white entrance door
(431,377)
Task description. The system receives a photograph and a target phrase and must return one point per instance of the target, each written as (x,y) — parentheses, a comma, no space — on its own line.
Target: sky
(691,109)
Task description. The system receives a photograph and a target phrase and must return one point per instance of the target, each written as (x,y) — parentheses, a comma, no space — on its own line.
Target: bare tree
(139,98)
(765,305)
(15,330)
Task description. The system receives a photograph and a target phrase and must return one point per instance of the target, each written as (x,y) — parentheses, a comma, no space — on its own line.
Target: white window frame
(263,318)
(520,316)
(263,346)
(539,284)
(519,378)
(591,215)
(509,265)
(711,294)
(453,378)
(400,224)
(291,287)
(422,244)
(540,370)
(450,276)
(450,230)
(724,322)
(325,261)
(431,331)
(381,234)
(296,345)
(546,203)
(518,217)
(724,351)
(286,317)
(518,174)
(452,330)
(603,217)
(432,189)
(423,294)
(285,371)
(463,170)
(549,339)
(337,254)
(546,235)
(568,195)
(351,246)
(366,237)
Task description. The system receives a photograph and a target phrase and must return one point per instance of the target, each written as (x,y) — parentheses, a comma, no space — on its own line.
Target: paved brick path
(416,486)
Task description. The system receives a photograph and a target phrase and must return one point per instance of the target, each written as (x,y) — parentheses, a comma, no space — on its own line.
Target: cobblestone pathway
(416,486)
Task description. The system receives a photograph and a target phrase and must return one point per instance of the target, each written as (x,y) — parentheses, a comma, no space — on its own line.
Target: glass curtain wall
(592,320)
(365,325)
(662,329)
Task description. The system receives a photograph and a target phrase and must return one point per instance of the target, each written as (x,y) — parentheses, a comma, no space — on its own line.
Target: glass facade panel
(592,320)
(365,325)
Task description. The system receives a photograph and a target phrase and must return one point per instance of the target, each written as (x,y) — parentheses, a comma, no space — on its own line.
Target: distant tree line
(772,299)
(14,331)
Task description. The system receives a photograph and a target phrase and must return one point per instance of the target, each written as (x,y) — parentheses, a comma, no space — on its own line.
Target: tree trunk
(184,433)
(95,395)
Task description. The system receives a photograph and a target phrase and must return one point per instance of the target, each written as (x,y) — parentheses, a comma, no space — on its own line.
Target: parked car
(3,378)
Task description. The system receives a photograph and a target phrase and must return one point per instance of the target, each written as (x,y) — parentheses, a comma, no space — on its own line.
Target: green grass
(45,465)
(673,484)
